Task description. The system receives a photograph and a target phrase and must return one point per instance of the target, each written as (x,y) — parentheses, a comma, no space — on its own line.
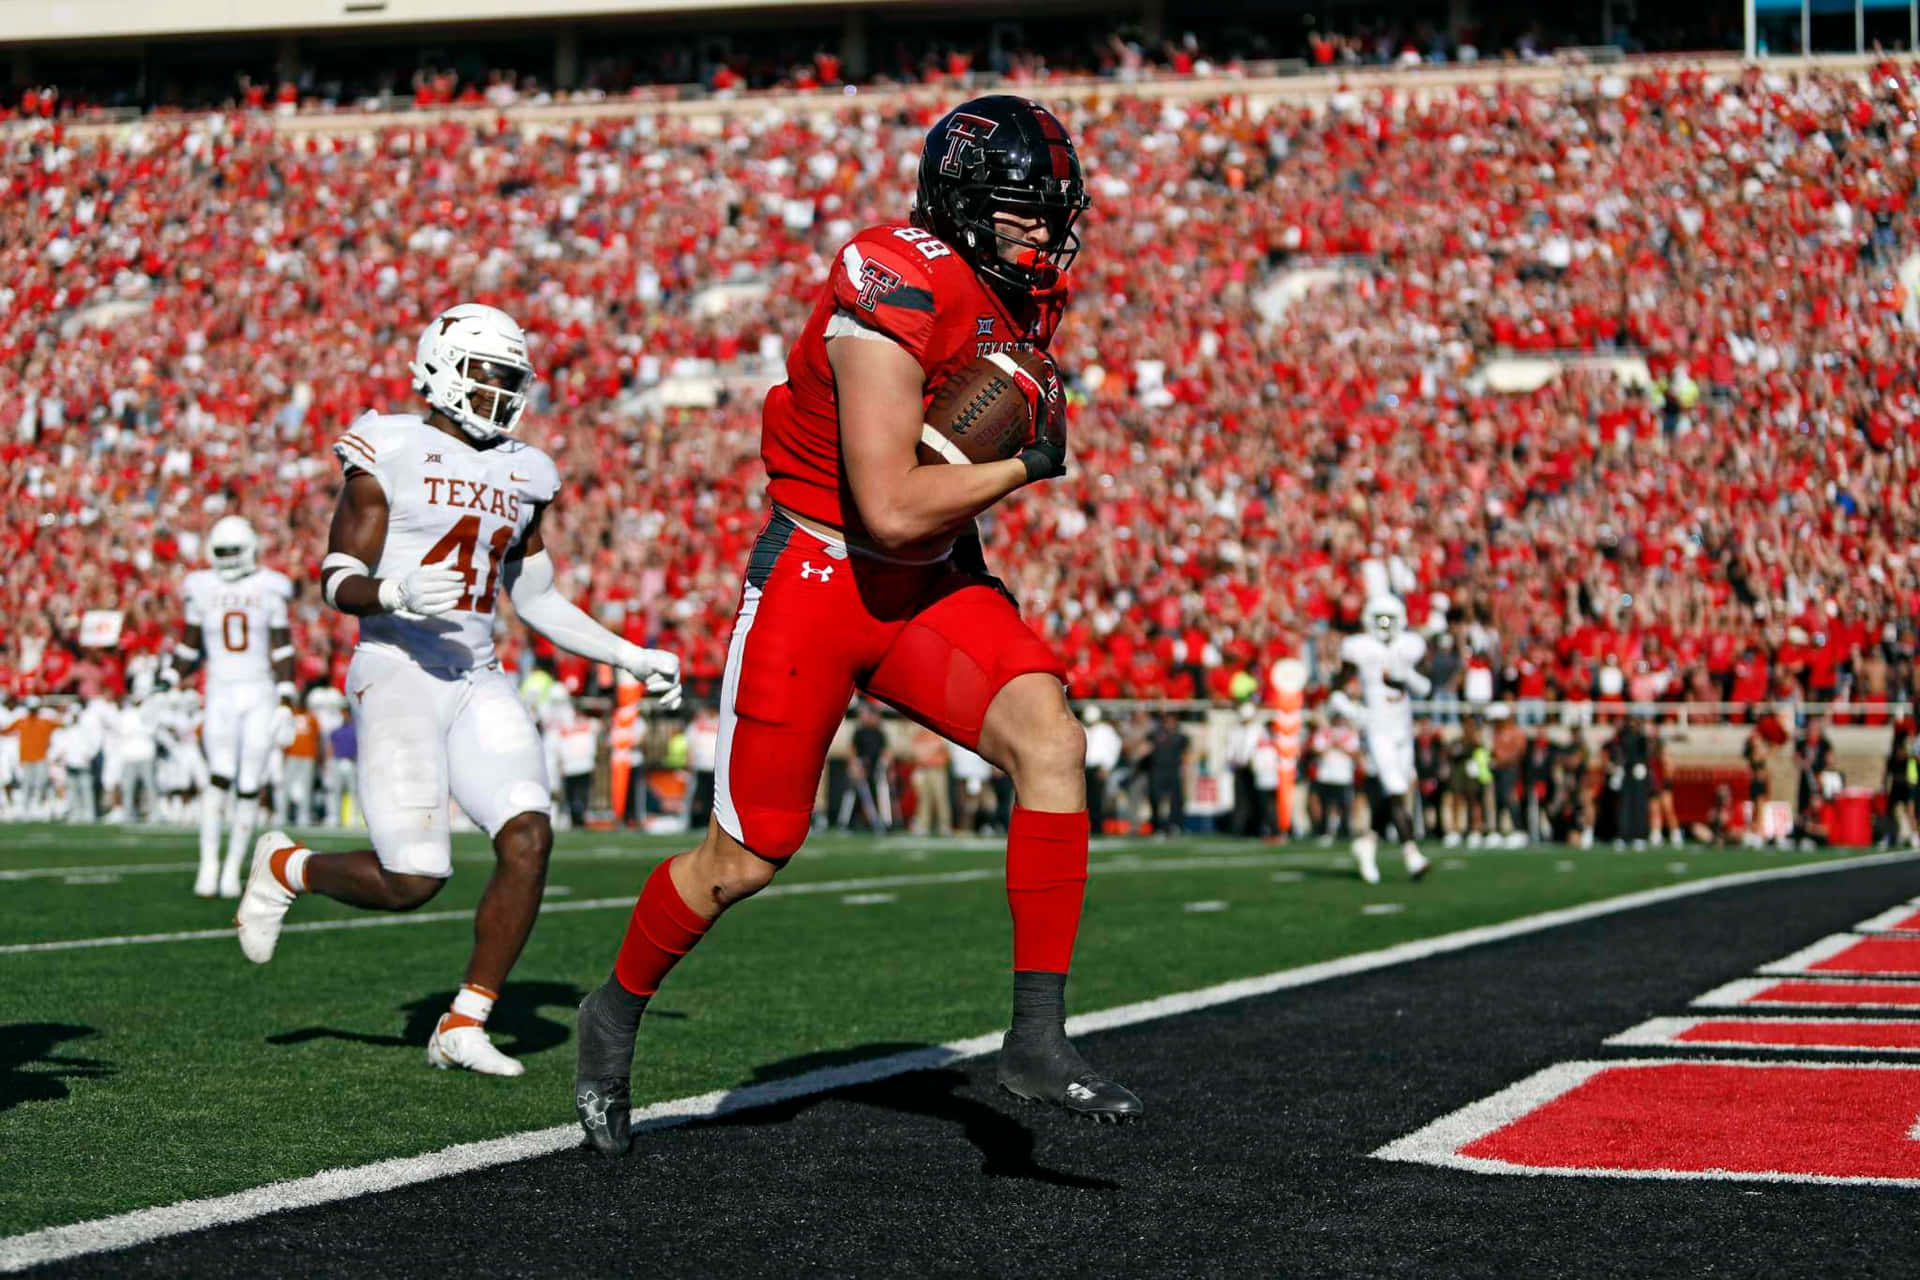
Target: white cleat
(1416,861)
(1452,840)
(263,907)
(231,886)
(207,883)
(1363,854)
(468,1047)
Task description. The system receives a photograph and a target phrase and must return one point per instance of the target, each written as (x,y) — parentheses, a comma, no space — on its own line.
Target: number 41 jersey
(446,500)
(237,620)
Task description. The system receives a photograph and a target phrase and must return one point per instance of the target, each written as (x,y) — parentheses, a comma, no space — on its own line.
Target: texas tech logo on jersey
(875,282)
(963,131)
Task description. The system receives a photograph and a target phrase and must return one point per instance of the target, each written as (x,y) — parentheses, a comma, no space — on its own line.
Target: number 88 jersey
(447,501)
(237,620)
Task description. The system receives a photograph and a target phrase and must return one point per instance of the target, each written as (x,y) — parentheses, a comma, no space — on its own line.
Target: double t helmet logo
(965,131)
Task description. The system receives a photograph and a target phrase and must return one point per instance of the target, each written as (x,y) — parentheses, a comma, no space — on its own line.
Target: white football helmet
(233,548)
(1384,618)
(472,365)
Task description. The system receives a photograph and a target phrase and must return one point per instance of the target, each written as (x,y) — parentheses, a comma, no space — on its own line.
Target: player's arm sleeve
(887,290)
(1416,681)
(363,448)
(530,586)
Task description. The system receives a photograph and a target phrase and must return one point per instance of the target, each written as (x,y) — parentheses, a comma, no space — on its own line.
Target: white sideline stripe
(1439,1143)
(1654,1032)
(1886,920)
(1665,1033)
(50,1244)
(1801,962)
(625,901)
(1743,993)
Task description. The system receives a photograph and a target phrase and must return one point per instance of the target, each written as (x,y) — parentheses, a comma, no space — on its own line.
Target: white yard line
(625,902)
(92,869)
(128,1229)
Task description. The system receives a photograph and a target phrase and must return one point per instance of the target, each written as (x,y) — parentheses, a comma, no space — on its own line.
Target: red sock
(662,929)
(1046,884)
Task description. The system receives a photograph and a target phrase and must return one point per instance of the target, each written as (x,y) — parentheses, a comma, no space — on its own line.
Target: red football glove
(1045,453)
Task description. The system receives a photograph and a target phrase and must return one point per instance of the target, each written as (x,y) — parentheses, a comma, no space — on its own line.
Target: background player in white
(1383,658)
(236,624)
(436,513)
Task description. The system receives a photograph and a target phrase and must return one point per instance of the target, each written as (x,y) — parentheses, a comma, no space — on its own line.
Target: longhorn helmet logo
(963,131)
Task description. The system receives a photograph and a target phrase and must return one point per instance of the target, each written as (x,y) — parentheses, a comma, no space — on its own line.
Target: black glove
(1045,454)
(969,559)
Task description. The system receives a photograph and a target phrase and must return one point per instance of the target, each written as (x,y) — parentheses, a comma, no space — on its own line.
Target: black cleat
(1051,1070)
(603,1068)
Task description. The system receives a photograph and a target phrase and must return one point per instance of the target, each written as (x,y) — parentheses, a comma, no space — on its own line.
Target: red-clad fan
(869,576)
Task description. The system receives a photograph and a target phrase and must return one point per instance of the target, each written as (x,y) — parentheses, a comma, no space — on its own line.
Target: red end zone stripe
(1891,1033)
(1875,955)
(1841,993)
(1867,955)
(1654,1119)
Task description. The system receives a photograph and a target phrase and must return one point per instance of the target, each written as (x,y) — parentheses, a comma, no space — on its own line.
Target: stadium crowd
(189,315)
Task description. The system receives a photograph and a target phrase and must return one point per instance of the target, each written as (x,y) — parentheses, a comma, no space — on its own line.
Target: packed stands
(191,310)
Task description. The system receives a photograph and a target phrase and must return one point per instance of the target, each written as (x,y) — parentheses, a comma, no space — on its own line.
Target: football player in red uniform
(869,576)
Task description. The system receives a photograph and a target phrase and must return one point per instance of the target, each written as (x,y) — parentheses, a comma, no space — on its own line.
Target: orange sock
(289,867)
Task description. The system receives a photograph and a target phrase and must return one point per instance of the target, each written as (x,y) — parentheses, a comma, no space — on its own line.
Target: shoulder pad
(884,277)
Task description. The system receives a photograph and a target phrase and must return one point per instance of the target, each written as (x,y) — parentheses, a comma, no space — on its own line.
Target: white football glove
(657,670)
(428,590)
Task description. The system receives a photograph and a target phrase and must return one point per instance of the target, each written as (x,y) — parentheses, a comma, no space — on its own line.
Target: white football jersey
(237,621)
(1374,658)
(445,500)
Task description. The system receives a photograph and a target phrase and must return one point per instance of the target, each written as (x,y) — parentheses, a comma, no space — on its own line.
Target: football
(980,414)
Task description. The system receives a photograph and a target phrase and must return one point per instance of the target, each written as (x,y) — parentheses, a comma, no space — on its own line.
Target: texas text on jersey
(901,283)
(445,500)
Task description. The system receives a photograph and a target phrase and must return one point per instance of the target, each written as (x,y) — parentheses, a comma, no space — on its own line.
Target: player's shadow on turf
(25,1045)
(517,1025)
(939,1093)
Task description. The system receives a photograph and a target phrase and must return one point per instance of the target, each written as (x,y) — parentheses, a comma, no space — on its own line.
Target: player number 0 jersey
(237,621)
(446,500)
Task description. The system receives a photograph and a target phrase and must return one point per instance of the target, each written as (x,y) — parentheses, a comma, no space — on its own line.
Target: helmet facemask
(472,367)
(494,392)
(1033,265)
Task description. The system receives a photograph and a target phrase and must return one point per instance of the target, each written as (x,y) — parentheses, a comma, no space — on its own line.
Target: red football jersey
(911,286)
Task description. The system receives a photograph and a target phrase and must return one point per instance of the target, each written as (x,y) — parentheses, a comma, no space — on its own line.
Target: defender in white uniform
(1384,660)
(236,625)
(438,517)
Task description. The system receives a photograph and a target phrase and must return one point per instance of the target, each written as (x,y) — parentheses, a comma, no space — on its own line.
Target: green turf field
(162,1068)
